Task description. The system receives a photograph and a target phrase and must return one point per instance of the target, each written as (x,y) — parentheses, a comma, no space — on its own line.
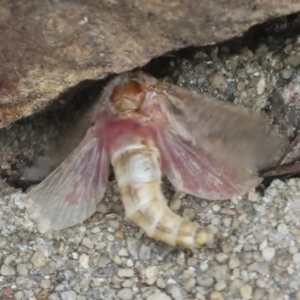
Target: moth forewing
(70,194)
(229,133)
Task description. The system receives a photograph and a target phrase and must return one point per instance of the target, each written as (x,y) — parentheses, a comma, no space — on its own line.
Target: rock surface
(49,49)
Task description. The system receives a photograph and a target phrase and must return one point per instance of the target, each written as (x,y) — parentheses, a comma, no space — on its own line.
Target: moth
(146,129)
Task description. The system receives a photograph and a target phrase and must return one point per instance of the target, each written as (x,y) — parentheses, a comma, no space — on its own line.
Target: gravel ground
(107,257)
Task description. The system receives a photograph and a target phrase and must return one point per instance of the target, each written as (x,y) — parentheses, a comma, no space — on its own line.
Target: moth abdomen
(137,170)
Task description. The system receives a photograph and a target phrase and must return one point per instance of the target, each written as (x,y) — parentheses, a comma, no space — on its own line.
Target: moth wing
(229,134)
(196,173)
(70,194)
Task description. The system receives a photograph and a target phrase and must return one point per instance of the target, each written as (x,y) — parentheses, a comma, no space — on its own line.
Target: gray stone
(7,270)
(68,295)
(125,272)
(125,294)
(145,252)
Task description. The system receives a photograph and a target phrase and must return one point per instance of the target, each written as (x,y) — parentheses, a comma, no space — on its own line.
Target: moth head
(127,96)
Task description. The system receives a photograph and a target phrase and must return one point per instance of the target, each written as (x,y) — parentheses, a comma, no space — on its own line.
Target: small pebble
(253,196)
(96,230)
(68,295)
(234,262)
(54,296)
(263,245)
(216,208)
(22,269)
(9,259)
(261,85)
(216,296)
(7,270)
(151,274)
(192,261)
(190,284)
(123,252)
(205,281)
(220,285)
(119,234)
(283,229)
(227,222)
(215,221)
(268,253)
(160,283)
(218,81)
(259,208)
(87,243)
(227,247)
(84,261)
(115,224)
(102,208)
(221,257)
(145,252)
(38,259)
(246,291)
(261,283)
(125,294)
(159,296)
(175,291)
(293,60)
(175,204)
(188,214)
(110,237)
(125,272)
(204,266)
(293,250)
(20,296)
(287,72)
(296,258)
(127,283)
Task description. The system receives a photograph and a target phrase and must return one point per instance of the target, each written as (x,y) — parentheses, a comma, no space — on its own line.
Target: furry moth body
(146,128)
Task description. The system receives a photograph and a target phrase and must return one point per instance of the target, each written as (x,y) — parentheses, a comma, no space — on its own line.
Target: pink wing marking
(195,173)
(70,194)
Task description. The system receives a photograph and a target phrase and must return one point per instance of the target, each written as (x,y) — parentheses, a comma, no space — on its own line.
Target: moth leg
(175,203)
(178,195)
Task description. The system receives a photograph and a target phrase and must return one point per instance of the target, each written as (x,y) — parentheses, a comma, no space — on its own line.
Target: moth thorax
(128,96)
